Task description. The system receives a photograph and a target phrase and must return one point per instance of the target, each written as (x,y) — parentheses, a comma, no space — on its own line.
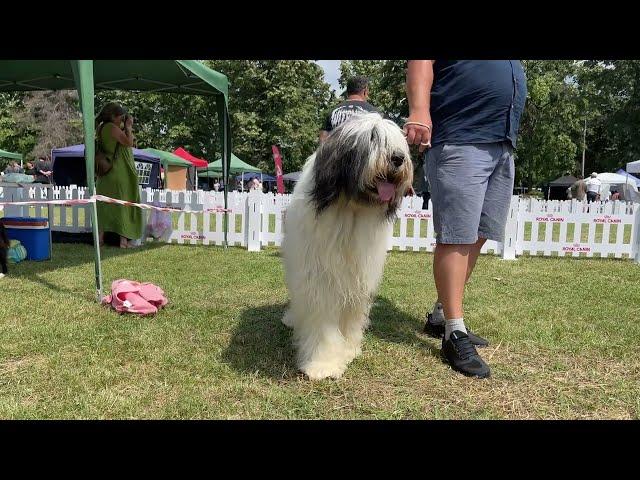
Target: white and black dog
(336,234)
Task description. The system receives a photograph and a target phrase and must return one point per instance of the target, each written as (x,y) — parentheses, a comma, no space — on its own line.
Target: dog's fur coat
(336,235)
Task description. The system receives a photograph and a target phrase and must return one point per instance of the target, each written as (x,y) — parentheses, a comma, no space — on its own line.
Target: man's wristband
(418,123)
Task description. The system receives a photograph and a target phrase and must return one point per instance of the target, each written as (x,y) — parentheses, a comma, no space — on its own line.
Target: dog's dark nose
(397,161)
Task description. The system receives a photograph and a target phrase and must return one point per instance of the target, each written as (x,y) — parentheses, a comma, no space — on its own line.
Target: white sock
(438,312)
(452,325)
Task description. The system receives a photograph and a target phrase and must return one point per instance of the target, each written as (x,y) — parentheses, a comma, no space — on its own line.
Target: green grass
(564,341)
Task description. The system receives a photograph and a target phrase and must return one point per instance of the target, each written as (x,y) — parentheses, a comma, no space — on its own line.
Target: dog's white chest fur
(344,248)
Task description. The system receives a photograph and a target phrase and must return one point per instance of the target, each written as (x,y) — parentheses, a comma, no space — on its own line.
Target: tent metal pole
(225,168)
(223,134)
(83,73)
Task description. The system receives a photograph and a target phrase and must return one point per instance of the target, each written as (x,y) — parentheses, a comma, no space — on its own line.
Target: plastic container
(33,234)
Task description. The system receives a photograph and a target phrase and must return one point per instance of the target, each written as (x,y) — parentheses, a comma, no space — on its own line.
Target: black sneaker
(435,329)
(463,357)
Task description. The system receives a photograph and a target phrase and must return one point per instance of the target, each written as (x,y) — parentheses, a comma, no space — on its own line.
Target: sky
(331,73)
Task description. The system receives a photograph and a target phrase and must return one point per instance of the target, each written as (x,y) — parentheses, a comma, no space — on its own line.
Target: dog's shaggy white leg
(353,323)
(322,349)
(370,241)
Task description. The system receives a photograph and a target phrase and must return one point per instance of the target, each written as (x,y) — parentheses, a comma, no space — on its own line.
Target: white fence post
(511,230)
(252,221)
(13,194)
(636,229)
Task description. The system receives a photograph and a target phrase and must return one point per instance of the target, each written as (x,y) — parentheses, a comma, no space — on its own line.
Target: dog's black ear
(337,169)
(326,174)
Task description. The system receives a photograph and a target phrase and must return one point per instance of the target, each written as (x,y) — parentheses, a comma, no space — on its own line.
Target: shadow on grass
(69,255)
(391,324)
(261,344)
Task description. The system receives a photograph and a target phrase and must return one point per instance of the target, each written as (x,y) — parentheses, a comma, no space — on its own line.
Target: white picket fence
(572,228)
(67,219)
(534,227)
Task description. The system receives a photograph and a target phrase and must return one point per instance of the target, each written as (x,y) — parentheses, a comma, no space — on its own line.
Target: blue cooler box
(32,233)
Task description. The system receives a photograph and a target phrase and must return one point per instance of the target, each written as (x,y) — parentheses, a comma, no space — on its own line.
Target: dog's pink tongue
(386,191)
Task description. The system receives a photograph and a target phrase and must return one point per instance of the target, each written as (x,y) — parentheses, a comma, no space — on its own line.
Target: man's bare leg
(450,265)
(472,257)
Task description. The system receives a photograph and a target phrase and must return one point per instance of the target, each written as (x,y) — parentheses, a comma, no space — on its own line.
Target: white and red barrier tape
(102,198)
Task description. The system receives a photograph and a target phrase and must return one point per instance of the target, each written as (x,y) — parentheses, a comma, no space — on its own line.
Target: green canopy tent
(158,76)
(169,159)
(11,155)
(237,166)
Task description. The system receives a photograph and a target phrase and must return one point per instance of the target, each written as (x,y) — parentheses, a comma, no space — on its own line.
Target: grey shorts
(471,188)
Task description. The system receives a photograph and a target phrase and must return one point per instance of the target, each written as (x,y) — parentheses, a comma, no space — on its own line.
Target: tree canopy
(278,102)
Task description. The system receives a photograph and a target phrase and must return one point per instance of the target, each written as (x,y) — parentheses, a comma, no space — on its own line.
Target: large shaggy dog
(335,240)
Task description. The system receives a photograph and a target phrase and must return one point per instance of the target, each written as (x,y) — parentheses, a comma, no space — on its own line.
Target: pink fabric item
(135,297)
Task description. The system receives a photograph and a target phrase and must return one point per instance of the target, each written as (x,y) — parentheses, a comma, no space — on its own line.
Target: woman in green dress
(121,181)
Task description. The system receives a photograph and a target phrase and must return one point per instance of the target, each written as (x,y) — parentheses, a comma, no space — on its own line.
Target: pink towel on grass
(135,297)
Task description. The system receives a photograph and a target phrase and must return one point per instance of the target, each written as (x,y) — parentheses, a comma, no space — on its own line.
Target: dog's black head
(365,160)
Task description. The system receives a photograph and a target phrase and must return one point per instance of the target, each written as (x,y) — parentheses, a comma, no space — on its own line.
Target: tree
(54,116)
(271,102)
(275,102)
(284,103)
(167,121)
(13,137)
(611,90)
(387,84)
(550,129)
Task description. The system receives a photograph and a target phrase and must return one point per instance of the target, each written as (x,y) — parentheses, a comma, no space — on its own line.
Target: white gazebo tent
(626,185)
(633,167)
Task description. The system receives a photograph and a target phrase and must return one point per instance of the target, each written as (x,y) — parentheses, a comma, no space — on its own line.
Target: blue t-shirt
(477,101)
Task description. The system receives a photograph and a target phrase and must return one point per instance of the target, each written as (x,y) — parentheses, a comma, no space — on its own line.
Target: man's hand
(419,134)
(128,123)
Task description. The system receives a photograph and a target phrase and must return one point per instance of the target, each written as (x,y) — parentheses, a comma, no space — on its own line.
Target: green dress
(122,183)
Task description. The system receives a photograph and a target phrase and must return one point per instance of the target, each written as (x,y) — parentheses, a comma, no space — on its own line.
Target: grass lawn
(564,341)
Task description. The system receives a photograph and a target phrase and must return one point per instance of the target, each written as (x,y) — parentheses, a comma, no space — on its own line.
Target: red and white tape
(105,199)
(77,201)
(102,198)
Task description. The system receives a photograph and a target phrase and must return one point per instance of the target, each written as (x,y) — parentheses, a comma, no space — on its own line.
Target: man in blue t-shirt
(468,112)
